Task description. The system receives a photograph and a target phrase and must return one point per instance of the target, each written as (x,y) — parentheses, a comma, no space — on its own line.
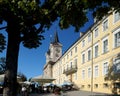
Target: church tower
(52,55)
(55,50)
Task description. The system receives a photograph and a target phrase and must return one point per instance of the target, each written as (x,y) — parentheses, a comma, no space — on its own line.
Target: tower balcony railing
(70,70)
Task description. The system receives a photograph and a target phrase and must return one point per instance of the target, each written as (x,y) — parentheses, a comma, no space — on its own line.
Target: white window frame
(83,59)
(83,74)
(64,68)
(67,56)
(83,43)
(94,50)
(76,49)
(96,71)
(96,53)
(89,37)
(104,25)
(116,64)
(105,68)
(71,53)
(96,33)
(114,43)
(75,62)
(89,57)
(103,50)
(67,66)
(116,19)
(89,72)
(71,64)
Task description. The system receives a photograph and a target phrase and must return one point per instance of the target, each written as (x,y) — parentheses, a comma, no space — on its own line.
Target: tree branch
(3,28)
(40,28)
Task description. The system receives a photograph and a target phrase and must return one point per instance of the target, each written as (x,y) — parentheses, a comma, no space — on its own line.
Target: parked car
(67,86)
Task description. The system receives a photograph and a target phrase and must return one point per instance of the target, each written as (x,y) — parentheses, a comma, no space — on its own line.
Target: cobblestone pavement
(75,93)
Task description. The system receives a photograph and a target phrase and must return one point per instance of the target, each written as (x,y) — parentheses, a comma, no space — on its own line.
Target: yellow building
(92,63)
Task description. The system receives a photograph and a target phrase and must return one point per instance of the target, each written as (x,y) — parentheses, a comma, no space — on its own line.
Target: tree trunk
(10,79)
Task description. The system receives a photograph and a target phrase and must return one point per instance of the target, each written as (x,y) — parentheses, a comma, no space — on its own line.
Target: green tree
(27,19)
(2,41)
(2,65)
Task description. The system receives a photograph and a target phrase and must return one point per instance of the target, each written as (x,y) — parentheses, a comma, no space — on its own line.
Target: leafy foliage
(25,14)
(2,42)
(2,65)
(101,8)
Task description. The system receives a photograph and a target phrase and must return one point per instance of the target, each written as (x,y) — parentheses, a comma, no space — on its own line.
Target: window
(117,85)
(116,16)
(75,76)
(70,64)
(96,51)
(83,58)
(117,39)
(82,86)
(105,46)
(89,37)
(105,85)
(75,62)
(61,69)
(96,32)
(89,72)
(96,85)
(67,66)
(116,64)
(89,55)
(83,43)
(88,85)
(96,71)
(64,68)
(75,49)
(83,74)
(105,25)
(67,56)
(71,53)
(105,68)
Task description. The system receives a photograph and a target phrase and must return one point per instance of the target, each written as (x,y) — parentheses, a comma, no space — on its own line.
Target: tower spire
(56,39)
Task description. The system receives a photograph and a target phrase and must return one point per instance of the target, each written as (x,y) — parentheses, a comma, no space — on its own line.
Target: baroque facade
(92,63)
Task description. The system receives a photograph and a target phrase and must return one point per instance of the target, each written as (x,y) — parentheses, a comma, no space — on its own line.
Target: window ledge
(105,52)
(116,47)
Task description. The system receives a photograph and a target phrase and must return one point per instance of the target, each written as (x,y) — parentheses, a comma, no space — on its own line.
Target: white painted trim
(115,32)
(114,18)
(107,25)
(94,70)
(103,67)
(106,38)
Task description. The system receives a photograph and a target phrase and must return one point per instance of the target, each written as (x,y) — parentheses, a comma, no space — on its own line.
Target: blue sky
(31,61)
